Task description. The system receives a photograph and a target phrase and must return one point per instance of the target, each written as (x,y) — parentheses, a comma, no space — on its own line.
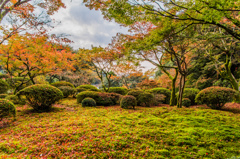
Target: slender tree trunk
(173,92)
(231,77)
(181,90)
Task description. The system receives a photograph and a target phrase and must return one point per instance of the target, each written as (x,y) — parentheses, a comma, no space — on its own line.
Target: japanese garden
(168,87)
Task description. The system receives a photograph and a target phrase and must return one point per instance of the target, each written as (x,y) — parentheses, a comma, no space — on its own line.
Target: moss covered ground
(70,131)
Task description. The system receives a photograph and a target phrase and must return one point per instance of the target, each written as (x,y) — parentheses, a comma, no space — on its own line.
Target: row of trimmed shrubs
(42,96)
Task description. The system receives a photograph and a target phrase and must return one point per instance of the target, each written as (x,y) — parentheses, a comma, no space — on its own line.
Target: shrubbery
(135,93)
(190,93)
(3,86)
(101,98)
(79,90)
(115,97)
(145,99)
(88,102)
(119,90)
(104,99)
(91,94)
(41,96)
(67,91)
(163,91)
(7,109)
(16,99)
(186,102)
(87,87)
(62,83)
(158,99)
(128,101)
(216,97)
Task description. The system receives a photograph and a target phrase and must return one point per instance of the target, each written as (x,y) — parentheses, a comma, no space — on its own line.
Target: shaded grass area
(70,131)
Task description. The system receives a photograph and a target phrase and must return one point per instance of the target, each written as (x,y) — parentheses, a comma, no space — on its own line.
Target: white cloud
(85,27)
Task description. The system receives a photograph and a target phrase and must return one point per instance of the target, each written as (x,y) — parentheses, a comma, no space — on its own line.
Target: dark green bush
(115,98)
(16,99)
(91,94)
(41,96)
(3,96)
(3,86)
(216,97)
(135,93)
(62,83)
(163,91)
(80,90)
(145,99)
(119,90)
(128,101)
(186,102)
(87,87)
(7,109)
(101,98)
(88,102)
(104,99)
(158,99)
(67,91)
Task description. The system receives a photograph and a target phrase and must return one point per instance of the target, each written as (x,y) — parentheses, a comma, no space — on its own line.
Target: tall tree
(31,55)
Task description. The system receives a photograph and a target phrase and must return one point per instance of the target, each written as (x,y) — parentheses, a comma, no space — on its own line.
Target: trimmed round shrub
(7,109)
(135,93)
(67,91)
(158,99)
(62,83)
(41,96)
(104,99)
(91,94)
(119,90)
(80,90)
(88,102)
(3,96)
(88,87)
(16,99)
(128,101)
(163,91)
(216,97)
(101,98)
(3,86)
(186,102)
(115,98)
(145,99)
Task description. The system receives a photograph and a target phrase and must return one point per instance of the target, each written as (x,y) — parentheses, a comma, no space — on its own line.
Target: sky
(85,27)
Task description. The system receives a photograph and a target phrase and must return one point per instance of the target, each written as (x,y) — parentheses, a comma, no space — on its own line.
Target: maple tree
(100,60)
(128,73)
(31,55)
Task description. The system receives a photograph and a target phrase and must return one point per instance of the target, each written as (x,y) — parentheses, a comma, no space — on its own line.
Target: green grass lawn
(71,131)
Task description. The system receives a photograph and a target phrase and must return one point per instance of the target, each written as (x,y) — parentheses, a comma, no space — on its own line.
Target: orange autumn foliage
(34,54)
